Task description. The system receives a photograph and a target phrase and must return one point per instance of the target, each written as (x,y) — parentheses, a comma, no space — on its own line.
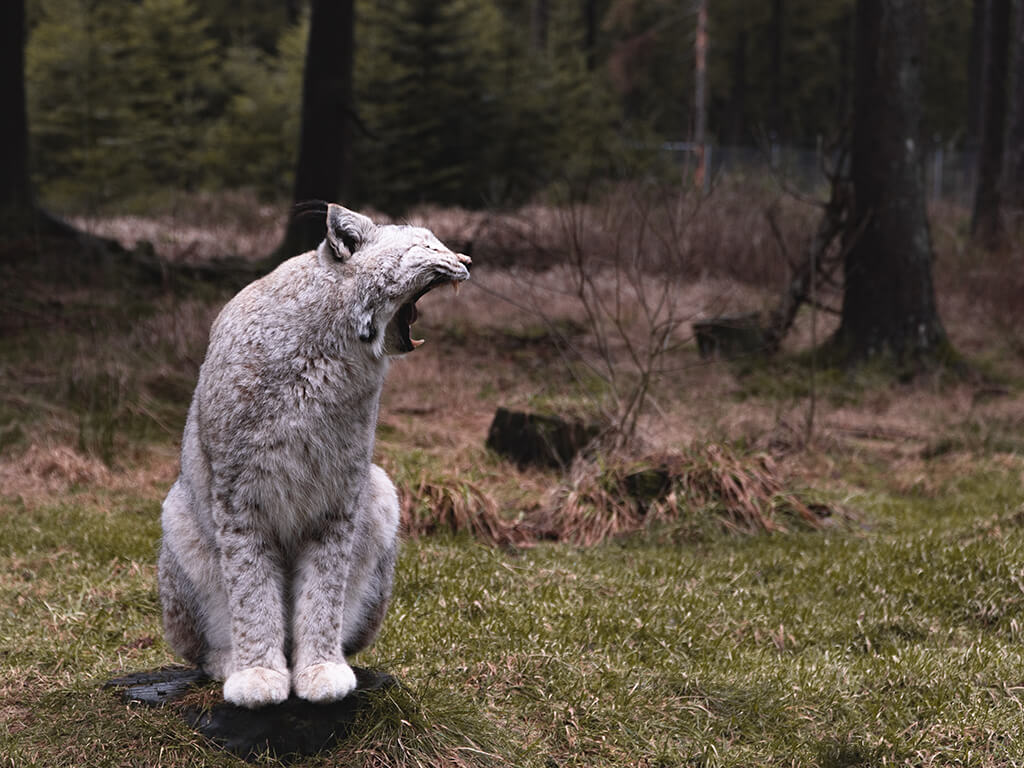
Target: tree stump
(533,439)
(728,337)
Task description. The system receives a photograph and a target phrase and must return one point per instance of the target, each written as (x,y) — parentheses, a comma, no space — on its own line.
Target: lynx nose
(464,259)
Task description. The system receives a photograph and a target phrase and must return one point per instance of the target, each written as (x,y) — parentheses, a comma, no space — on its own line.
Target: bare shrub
(723,235)
(624,259)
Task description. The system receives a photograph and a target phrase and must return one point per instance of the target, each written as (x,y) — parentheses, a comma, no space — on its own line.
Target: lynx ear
(346,231)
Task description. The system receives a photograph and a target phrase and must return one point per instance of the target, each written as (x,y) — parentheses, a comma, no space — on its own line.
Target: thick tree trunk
(889,300)
(1013,168)
(324,165)
(986,221)
(15,188)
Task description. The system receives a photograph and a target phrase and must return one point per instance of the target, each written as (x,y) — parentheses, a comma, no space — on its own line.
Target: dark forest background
(465,102)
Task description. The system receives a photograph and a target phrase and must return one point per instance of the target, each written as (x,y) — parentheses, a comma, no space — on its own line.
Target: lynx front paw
(256,687)
(325,682)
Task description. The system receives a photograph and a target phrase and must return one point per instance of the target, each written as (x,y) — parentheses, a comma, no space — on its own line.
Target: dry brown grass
(506,340)
(48,470)
(707,486)
(458,506)
(740,493)
(199,228)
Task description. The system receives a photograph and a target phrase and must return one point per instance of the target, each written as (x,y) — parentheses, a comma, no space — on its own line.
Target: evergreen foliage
(460,111)
(427,88)
(457,101)
(118,93)
(254,141)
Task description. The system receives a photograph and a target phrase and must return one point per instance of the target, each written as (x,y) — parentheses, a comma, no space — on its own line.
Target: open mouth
(407,314)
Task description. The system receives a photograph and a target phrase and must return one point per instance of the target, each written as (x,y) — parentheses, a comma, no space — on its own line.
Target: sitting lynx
(279,535)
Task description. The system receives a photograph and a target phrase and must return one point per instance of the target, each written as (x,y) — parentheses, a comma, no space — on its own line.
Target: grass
(893,638)
(897,644)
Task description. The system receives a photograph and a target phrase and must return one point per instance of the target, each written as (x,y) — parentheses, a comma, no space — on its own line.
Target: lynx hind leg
(182,625)
(375,550)
(195,612)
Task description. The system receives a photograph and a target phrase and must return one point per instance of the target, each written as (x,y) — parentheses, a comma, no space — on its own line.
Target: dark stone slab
(158,687)
(532,438)
(289,730)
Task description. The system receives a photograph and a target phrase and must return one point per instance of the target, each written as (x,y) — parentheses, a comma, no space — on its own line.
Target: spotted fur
(280,534)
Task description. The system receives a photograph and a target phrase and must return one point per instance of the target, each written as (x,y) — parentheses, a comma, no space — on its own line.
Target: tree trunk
(986,221)
(324,165)
(590,33)
(539,15)
(1013,169)
(737,133)
(845,34)
(889,300)
(15,188)
(700,80)
(775,109)
(975,84)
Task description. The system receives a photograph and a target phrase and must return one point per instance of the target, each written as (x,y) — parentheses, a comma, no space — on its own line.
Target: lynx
(280,534)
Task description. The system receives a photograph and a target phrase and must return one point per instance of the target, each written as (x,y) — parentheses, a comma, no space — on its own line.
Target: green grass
(899,643)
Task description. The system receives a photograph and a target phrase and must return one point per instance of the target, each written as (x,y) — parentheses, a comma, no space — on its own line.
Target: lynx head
(391,266)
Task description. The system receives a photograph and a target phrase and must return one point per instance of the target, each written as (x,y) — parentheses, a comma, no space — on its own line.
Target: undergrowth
(684,495)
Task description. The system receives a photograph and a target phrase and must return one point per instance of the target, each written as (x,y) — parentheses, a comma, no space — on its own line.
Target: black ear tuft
(309,208)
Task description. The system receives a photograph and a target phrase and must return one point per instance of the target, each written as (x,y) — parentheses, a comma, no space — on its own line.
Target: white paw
(325,682)
(256,687)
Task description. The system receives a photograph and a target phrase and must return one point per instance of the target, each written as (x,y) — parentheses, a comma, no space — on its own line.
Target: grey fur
(280,535)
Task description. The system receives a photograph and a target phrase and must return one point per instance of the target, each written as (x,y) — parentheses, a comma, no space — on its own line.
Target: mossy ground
(895,638)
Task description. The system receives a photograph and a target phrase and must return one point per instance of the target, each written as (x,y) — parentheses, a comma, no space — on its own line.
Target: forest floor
(888,633)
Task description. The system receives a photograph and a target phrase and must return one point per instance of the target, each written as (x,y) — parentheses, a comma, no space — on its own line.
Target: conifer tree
(429,94)
(253,143)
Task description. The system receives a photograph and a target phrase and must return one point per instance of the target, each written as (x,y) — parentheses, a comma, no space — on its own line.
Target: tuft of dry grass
(739,493)
(458,506)
(709,485)
(51,468)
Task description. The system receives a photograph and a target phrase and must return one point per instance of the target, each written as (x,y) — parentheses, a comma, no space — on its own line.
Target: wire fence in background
(950,175)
